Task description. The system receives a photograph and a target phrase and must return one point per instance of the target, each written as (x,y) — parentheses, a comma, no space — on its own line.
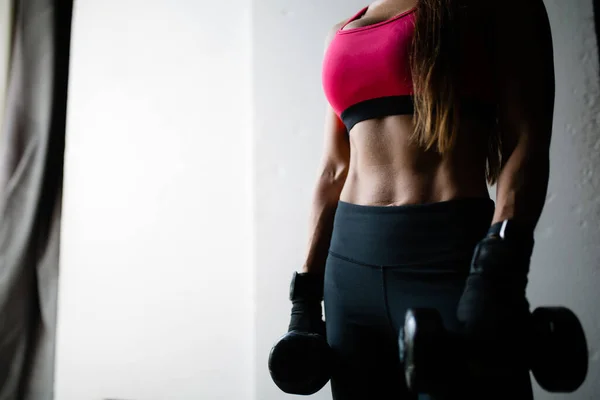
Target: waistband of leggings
(411,235)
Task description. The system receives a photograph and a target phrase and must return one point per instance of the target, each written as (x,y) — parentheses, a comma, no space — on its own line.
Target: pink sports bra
(366,71)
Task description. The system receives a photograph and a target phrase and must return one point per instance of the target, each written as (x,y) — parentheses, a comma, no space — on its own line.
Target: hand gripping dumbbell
(301,361)
(555,350)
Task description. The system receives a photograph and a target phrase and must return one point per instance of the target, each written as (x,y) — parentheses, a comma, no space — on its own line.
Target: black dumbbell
(554,348)
(300,363)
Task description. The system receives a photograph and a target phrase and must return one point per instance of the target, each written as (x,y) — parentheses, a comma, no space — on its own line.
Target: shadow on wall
(597,24)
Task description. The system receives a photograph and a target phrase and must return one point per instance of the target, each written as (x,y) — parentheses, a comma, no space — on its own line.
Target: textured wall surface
(289,104)
(566,264)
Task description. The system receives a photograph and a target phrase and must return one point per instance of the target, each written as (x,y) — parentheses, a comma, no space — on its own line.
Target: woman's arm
(525,75)
(330,182)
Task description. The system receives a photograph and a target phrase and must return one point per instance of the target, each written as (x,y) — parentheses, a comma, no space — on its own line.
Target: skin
(376,164)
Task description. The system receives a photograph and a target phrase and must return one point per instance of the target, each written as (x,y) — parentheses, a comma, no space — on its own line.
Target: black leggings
(383,260)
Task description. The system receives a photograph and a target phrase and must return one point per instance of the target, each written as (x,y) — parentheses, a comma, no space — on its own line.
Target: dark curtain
(597,24)
(31,172)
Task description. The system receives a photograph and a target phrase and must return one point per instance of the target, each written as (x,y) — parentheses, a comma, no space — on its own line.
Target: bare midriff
(388,169)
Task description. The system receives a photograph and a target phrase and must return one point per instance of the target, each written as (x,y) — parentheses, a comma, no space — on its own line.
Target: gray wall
(289,104)
(566,264)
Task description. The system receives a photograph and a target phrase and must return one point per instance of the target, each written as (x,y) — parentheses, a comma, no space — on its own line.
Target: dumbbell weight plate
(421,343)
(560,359)
(301,363)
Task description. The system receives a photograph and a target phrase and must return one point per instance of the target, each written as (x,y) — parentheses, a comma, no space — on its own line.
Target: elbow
(528,152)
(527,169)
(331,180)
(334,174)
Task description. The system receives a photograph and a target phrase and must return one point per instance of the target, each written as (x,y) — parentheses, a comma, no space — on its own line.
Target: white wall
(163,295)
(156,288)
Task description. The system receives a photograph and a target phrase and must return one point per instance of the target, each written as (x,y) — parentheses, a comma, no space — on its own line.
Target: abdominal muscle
(387,169)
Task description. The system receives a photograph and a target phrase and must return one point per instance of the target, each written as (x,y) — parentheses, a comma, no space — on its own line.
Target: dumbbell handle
(485,356)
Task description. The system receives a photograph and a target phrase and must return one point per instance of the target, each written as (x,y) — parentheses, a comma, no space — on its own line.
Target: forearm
(523,184)
(324,205)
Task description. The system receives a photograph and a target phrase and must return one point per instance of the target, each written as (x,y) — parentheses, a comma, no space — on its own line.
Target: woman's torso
(387,168)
